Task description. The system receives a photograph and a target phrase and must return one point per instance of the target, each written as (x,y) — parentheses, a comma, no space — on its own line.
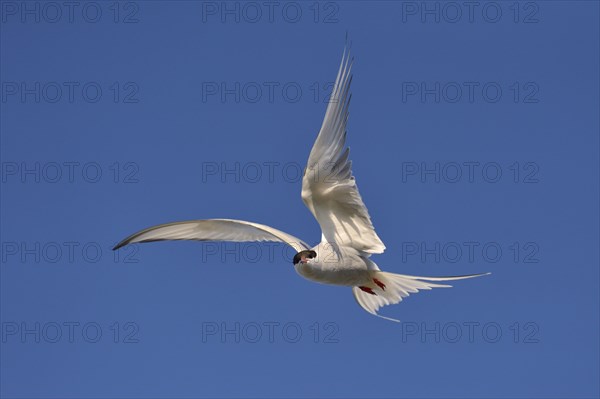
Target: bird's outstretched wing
(328,187)
(214,230)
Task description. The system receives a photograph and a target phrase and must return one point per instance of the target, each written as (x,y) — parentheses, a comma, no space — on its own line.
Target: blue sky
(474,136)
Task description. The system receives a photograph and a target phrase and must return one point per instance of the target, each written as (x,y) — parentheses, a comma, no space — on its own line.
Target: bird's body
(330,193)
(348,269)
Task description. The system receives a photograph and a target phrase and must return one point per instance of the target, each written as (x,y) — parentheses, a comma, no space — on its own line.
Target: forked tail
(390,288)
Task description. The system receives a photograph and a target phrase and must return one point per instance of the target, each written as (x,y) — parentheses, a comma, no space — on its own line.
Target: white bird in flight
(329,191)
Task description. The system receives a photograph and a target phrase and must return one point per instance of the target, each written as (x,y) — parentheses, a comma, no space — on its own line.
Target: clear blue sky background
(542,295)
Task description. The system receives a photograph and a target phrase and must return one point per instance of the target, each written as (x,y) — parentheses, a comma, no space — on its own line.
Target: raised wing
(214,230)
(328,187)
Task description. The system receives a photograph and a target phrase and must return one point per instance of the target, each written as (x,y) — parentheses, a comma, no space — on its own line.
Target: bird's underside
(330,192)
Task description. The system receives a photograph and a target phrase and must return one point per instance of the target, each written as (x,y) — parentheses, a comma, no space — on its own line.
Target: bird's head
(304,257)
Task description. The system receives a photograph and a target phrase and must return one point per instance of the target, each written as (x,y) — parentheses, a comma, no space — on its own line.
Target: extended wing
(214,230)
(328,187)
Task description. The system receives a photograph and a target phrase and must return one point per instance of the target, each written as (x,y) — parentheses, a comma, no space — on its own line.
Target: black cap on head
(306,254)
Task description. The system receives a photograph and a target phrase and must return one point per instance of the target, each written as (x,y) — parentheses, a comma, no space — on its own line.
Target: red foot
(367,290)
(379,283)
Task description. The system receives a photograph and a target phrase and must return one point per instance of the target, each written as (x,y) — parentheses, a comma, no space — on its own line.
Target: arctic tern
(329,191)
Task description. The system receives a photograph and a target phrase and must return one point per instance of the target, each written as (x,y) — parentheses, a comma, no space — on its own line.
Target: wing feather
(328,188)
(214,230)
